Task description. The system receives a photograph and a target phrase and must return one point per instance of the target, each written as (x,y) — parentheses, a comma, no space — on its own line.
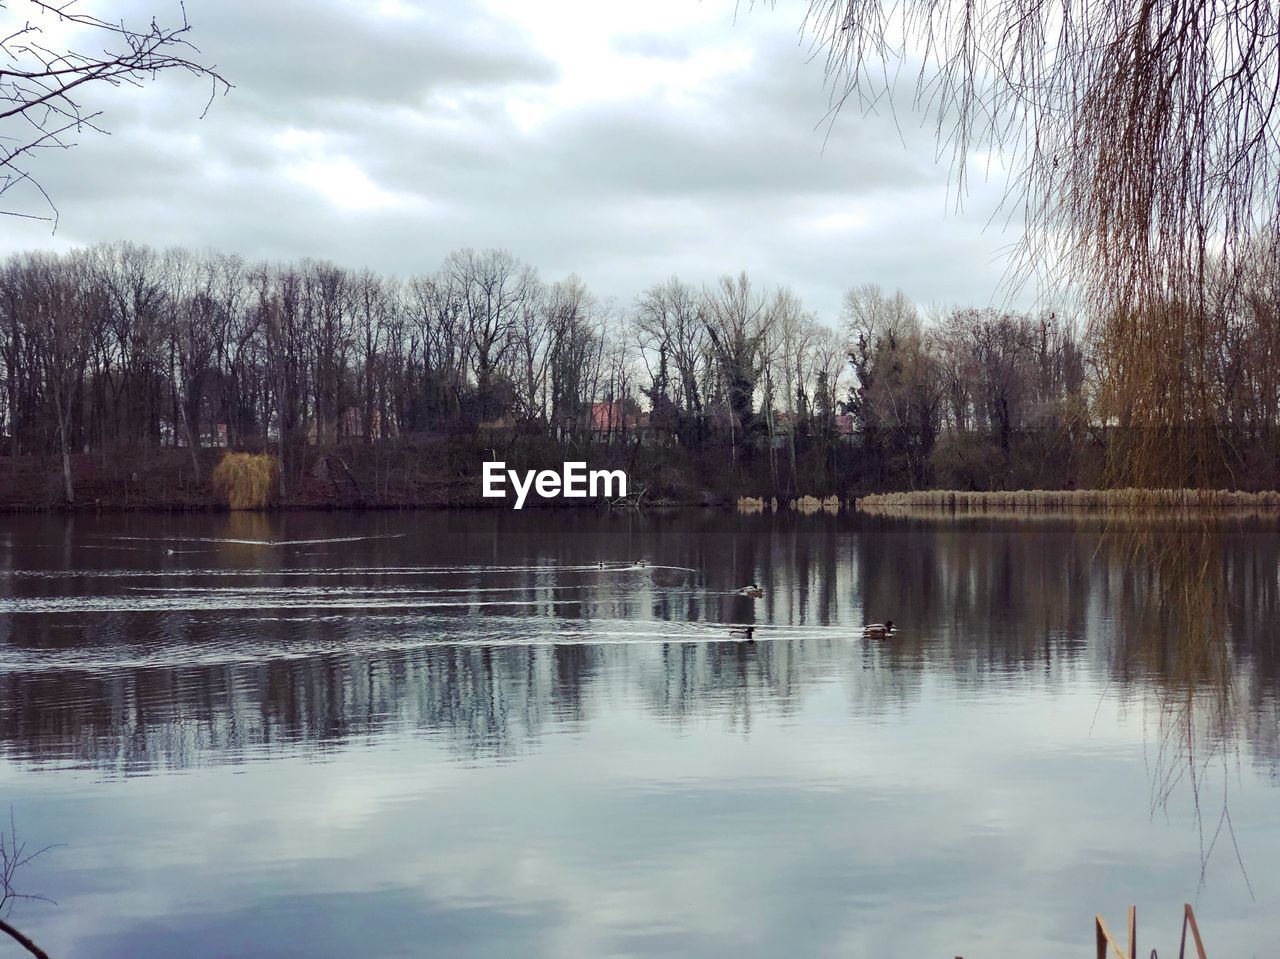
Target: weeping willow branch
(1142,150)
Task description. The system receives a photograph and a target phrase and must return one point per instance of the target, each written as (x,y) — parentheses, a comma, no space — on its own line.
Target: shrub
(246,480)
(967,462)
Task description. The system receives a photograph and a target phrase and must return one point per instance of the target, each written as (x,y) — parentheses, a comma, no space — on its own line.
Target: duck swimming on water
(879,629)
(743,632)
(754,591)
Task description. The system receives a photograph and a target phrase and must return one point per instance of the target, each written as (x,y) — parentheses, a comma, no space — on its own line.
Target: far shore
(33,488)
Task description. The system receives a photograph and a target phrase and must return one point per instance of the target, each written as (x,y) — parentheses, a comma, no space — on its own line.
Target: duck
(743,632)
(754,591)
(642,562)
(600,565)
(879,629)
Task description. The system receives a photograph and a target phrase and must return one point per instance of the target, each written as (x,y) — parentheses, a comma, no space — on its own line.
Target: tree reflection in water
(1192,643)
(260,658)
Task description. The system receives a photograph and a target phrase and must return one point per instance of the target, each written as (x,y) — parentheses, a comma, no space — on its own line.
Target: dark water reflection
(454,734)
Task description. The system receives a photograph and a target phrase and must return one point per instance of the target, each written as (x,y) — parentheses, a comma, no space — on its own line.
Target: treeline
(732,387)
(120,347)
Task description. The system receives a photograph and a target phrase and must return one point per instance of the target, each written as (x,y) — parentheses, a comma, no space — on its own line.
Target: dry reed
(1111,519)
(1084,500)
(811,504)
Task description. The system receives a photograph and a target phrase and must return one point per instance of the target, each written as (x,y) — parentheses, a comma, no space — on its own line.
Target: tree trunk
(62,443)
(794,485)
(66,473)
(192,440)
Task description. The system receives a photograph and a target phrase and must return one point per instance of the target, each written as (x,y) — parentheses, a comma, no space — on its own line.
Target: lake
(454,734)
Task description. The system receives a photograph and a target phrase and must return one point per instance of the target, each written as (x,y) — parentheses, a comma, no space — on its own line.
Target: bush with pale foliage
(246,480)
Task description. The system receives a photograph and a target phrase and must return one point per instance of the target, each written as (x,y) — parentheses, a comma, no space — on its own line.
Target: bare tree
(374,306)
(576,357)
(493,287)
(534,335)
(191,322)
(235,335)
(13,856)
(880,333)
(438,345)
(17,353)
(279,295)
(42,88)
(670,318)
(737,319)
(62,306)
(329,318)
(134,343)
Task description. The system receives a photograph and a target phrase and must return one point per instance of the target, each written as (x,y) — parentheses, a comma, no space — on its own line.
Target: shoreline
(442,478)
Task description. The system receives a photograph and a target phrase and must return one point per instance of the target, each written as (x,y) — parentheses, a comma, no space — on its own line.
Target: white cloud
(622,142)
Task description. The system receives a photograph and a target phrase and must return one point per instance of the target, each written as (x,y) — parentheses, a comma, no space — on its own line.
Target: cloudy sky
(621,141)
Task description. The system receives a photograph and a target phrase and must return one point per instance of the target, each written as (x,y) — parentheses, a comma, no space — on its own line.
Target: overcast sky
(621,141)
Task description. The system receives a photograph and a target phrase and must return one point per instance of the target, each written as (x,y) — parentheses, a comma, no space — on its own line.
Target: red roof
(610,416)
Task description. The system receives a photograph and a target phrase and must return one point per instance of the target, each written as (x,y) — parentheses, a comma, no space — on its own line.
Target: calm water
(452,734)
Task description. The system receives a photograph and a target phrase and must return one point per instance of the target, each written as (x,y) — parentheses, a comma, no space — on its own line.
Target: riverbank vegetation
(127,373)
(1091,500)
